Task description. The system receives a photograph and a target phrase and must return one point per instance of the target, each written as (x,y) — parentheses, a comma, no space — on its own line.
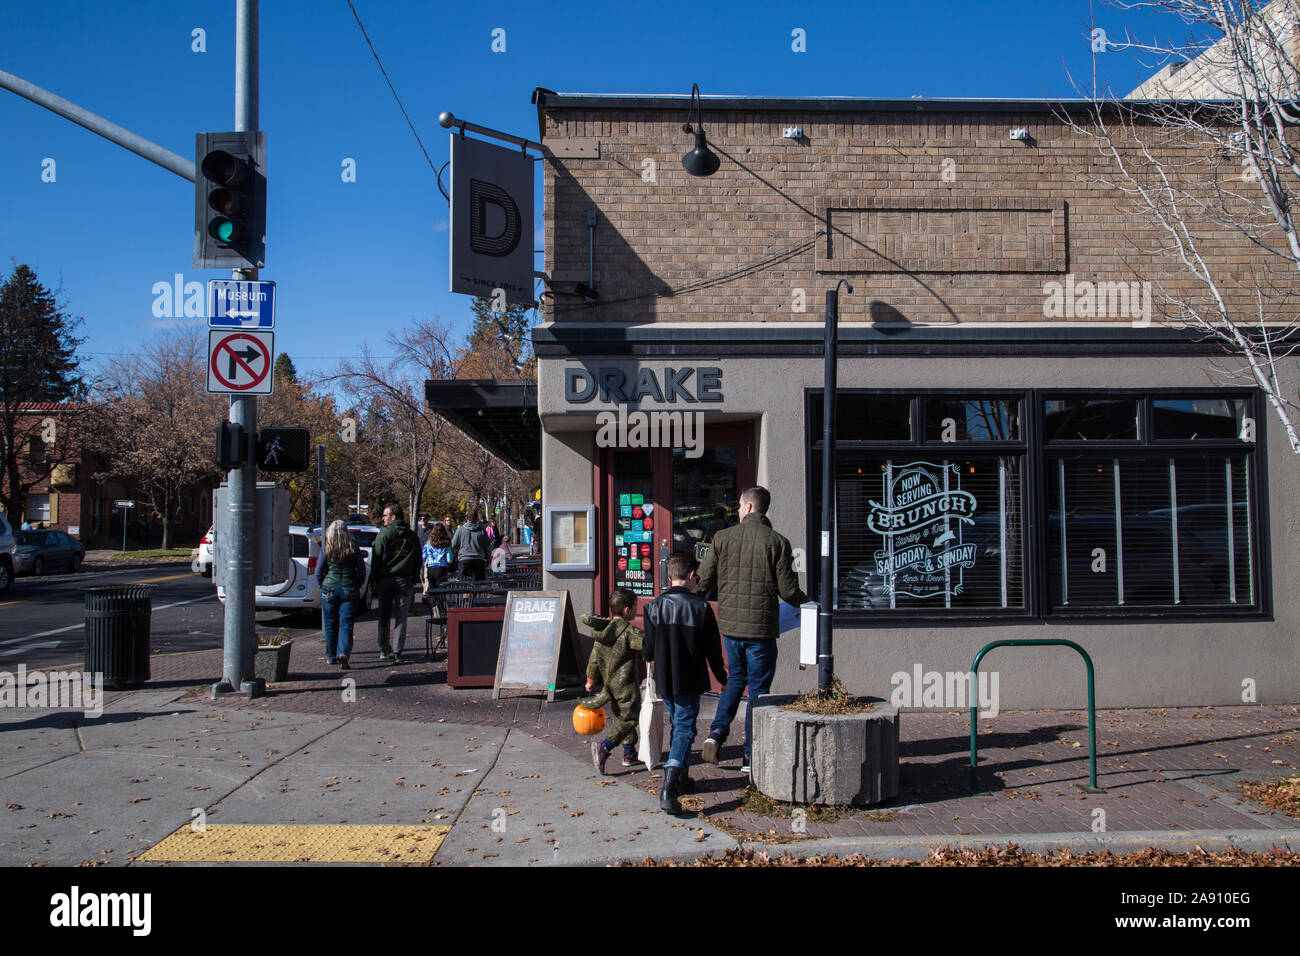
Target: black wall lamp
(701,161)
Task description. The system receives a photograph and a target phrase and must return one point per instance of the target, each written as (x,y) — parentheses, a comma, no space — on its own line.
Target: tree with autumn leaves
(412,453)
(155,426)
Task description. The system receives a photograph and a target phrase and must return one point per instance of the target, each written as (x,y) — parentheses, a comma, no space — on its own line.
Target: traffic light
(284,449)
(230,200)
(232,445)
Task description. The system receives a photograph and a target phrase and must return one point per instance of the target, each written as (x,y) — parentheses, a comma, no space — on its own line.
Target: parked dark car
(41,551)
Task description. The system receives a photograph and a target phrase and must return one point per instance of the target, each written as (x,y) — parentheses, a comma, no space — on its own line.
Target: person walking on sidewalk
(750,565)
(681,641)
(613,663)
(471,548)
(394,566)
(340,570)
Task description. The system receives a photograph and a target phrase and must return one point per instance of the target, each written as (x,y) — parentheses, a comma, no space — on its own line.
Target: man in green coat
(750,564)
(394,566)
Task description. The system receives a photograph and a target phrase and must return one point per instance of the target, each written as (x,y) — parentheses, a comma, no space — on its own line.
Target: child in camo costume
(613,663)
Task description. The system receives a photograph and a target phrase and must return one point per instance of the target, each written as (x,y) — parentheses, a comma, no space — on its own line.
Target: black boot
(668,801)
(684,783)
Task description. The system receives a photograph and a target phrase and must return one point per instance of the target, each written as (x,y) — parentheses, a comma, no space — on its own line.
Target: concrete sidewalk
(399,767)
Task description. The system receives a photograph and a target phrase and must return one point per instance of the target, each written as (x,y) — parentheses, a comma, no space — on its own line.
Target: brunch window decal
(921,519)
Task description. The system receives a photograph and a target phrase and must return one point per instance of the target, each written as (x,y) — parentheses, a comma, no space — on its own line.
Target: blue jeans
(338,609)
(682,713)
(751,662)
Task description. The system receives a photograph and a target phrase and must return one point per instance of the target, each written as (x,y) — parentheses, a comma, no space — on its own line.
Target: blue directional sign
(235,304)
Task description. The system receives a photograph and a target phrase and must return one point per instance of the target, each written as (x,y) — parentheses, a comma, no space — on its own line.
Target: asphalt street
(42,618)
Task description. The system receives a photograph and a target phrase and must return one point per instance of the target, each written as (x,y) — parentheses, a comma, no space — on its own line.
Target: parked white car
(301,591)
(202,563)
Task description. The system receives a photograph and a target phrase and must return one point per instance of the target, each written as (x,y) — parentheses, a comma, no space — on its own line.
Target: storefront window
(944,523)
(1149,531)
(960,419)
(705,496)
(1091,419)
(929,532)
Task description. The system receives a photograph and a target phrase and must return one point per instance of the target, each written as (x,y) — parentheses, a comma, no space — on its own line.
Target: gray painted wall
(1143,664)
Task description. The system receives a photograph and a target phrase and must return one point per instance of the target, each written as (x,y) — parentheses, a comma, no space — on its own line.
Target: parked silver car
(41,551)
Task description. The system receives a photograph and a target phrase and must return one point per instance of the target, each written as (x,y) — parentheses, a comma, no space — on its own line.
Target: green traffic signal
(230,200)
(228,173)
(222,230)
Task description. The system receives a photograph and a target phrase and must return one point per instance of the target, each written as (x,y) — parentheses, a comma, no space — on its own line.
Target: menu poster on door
(633,550)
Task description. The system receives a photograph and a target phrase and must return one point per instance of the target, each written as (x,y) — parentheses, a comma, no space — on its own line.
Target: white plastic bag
(650,726)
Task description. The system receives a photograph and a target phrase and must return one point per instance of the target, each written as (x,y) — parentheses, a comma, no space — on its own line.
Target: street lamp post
(825,652)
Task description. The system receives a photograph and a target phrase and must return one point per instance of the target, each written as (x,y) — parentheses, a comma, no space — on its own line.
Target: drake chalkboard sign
(539,643)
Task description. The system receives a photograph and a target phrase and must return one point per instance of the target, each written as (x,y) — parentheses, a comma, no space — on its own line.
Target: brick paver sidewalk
(1173,770)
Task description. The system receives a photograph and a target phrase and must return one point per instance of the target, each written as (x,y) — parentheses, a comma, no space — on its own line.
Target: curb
(919,847)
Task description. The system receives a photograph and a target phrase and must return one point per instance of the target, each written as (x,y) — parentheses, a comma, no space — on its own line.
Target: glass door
(660,500)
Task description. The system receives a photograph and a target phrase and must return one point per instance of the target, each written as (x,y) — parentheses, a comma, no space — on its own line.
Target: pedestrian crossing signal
(283,449)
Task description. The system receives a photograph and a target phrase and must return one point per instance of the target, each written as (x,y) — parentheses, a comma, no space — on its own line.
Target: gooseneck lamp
(701,161)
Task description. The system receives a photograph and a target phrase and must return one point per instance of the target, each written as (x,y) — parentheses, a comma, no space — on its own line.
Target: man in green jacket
(394,566)
(750,565)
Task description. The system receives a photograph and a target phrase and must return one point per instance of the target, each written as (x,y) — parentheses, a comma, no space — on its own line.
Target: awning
(499,415)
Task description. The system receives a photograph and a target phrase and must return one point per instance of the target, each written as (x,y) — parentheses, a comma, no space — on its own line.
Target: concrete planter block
(272,662)
(832,760)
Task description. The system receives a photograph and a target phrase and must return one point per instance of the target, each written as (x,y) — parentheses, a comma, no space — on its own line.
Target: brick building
(70,497)
(1026,447)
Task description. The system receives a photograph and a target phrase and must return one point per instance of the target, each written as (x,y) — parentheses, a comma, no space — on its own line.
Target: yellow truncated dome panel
(298,844)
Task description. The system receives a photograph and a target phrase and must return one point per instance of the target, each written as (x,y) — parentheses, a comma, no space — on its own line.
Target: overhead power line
(436,172)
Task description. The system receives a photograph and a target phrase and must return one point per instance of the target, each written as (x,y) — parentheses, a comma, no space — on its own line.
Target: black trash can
(117,634)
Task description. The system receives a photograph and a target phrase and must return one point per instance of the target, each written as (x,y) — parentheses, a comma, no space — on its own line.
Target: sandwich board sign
(539,642)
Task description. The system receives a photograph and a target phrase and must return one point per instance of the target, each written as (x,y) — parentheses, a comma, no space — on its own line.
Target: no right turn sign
(239,363)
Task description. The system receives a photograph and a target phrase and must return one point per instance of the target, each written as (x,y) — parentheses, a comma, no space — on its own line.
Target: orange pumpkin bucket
(587,721)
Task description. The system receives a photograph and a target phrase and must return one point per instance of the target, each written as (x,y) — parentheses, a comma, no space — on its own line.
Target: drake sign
(491,220)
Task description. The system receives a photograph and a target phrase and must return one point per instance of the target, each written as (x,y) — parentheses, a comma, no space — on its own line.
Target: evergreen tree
(38,363)
(501,344)
(284,370)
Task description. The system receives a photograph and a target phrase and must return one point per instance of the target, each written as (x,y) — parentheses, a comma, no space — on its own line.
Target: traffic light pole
(241,583)
(120,135)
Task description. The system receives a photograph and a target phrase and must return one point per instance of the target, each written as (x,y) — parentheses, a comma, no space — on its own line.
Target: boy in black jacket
(681,641)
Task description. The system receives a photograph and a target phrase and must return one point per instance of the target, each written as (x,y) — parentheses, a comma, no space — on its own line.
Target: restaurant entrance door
(658,500)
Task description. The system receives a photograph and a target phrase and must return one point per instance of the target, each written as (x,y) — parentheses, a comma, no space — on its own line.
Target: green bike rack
(1092,710)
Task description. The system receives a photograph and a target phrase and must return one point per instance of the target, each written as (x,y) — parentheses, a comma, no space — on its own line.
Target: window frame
(1036,452)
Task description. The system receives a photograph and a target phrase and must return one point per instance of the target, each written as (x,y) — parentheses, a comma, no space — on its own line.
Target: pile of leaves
(1009,855)
(1283,795)
(836,701)
(282,636)
(752,801)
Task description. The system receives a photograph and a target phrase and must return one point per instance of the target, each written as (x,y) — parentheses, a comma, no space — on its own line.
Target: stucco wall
(1139,663)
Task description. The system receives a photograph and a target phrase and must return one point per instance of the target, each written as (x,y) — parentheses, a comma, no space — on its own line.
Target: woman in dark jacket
(340,570)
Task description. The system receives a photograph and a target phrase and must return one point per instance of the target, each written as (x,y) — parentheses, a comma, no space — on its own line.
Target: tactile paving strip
(229,843)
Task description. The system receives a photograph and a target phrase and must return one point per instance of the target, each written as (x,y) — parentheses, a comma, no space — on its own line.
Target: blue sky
(355,260)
